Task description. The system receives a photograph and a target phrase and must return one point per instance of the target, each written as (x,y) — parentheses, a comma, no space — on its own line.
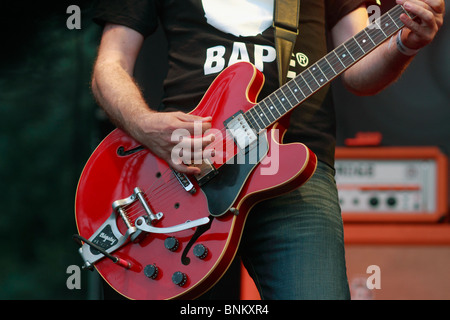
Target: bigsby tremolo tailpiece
(108,237)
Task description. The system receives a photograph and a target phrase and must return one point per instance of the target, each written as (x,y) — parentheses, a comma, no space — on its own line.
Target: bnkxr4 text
(246,309)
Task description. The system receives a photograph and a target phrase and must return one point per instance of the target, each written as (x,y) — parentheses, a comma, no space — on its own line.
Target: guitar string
(167,187)
(153,192)
(173,182)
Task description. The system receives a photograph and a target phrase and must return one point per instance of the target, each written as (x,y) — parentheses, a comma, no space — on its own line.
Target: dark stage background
(50,124)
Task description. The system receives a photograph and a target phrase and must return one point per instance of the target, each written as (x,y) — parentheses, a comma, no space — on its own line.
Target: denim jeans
(293,245)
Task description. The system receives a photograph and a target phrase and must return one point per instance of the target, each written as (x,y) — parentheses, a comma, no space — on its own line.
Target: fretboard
(297,90)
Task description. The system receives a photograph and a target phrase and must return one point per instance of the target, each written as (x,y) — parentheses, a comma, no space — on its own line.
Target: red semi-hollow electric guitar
(154,233)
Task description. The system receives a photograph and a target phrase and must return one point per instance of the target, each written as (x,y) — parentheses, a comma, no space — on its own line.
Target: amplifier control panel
(388,184)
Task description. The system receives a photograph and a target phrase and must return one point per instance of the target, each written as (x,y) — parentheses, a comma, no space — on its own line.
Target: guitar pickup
(207,172)
(244,135)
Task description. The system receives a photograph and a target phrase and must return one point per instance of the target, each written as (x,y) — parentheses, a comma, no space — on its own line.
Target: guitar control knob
(151,271)
(179,278)
(171,244)
(200,251)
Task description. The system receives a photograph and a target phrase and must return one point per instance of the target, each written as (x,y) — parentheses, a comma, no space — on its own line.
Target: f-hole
(198,232)
(121,152)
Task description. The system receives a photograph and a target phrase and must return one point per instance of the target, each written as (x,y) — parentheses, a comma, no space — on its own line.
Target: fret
(344,56)
(287,100)
(368,36)
(345,47)
(271,109)
(262,115)
(396,25)
(331,65)
(326,68)
(267,113)
(312,83)
(258,123)
(362,39)
(318,75)
(375,34)
(296,90)
(251,120)
(395,13)
(304,86)
(335,62)
(354,39)
(297,101)
(378,26)
(281,101)
(354,49)
(388,26)
(276,104)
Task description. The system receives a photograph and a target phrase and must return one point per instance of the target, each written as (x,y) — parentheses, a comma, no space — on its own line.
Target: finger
(438,6)
(180,160)
(422,11)
(183,168)
(195,143)
(187,117)
(208,140)
(196,127)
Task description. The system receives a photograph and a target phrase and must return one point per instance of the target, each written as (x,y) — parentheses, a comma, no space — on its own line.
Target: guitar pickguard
(222,190)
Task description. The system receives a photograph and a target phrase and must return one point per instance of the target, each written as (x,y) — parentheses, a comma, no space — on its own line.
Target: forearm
(377,70)
(386,63)
(119,96)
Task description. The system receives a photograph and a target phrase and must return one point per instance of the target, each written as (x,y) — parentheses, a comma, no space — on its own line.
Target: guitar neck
(311,80)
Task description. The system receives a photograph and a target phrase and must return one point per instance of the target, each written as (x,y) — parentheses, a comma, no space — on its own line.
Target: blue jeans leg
(293,245)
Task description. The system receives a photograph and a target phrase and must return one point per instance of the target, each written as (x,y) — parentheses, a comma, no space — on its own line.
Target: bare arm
(386,64)
(117,93)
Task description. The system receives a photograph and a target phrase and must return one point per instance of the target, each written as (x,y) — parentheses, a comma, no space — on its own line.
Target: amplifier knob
(179,278)
(391,201)
(373,201)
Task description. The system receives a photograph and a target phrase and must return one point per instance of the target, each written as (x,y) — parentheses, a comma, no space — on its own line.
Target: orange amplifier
(392,183)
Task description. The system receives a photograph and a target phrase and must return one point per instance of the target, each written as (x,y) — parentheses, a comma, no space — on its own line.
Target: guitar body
(111,174)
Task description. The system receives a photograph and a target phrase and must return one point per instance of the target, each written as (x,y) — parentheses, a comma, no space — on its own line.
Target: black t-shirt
(206,36)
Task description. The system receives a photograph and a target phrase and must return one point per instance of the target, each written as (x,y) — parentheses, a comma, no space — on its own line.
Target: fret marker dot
(295,90)
(344,55)
(387,24)
(321,80)
(364,41)
(282,99)
(271,107)
(261,114)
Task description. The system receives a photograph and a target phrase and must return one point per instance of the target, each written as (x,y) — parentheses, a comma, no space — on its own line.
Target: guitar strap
(285,22)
